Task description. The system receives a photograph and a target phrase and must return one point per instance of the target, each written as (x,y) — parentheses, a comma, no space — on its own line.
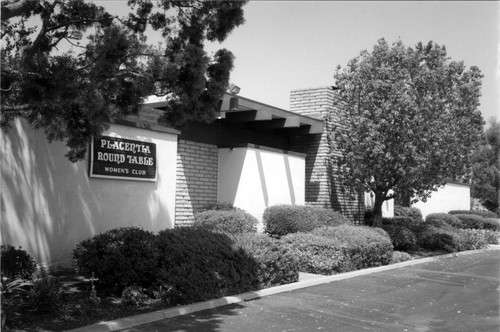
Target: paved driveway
(454,294)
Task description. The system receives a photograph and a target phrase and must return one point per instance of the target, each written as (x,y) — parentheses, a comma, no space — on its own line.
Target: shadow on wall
(49,204)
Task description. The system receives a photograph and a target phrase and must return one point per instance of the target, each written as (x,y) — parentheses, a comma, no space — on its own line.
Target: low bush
(443,219)
(363,246)
(492,237)
(472,239)
(403,239)
(45,293)
(411,212)
(133,296)
(280,220)
(234,221)
(398,257)
(484,214)
(119,258)
(476,222)
(276,265)
(16,263)
(197,264)
(316,254)
(435,238)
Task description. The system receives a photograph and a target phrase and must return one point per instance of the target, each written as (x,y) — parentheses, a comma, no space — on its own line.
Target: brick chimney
(323,187)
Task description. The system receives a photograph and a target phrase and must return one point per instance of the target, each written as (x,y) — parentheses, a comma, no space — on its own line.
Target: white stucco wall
(49,204)
(449,197)
(254,179)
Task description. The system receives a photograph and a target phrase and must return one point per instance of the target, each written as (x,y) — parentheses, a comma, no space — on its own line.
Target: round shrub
(435,238)
(17,263)
(280,220)
(443,219)
(484,214)
(477,222)
(234,221)
(403,239)
(364,246)
(411,212)
(197,264)
(492,224)
(276,263)
(316,254)
(119,258)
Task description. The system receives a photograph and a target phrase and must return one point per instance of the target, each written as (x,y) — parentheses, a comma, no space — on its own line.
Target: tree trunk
(377,209)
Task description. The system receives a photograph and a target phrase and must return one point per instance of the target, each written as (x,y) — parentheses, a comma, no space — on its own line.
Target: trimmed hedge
(280,220)
(197,264)
(403,239)
(477,222)
(443,219)
(276,265)
(234,221)
(484,214)
(364,246)
(436,238)
(316,254)
(119,258)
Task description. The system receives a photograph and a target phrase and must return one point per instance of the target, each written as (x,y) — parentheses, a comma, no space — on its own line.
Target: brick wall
(323,186)
(197,171)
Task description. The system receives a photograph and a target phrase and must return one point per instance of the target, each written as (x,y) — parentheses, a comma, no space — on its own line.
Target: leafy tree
(486,168)
(74,95)
(407,120)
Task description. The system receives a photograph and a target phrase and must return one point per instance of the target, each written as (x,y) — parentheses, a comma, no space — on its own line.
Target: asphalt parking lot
(448,294)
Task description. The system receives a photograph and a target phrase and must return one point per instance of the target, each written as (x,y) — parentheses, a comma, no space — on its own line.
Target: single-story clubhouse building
(140,173)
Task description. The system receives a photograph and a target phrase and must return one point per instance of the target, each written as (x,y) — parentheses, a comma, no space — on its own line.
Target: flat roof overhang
(240,111)
(263,117)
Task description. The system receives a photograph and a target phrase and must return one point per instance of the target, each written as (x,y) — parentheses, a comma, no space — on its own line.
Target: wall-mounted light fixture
(234,89)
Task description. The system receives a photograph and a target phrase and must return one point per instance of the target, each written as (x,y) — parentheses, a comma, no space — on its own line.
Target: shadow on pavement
(207,320)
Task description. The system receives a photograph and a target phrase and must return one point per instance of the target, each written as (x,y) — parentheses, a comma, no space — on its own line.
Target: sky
(288,45)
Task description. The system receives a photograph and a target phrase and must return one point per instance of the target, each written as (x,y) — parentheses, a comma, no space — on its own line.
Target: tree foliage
(486,168)
(408,120)
(74,95)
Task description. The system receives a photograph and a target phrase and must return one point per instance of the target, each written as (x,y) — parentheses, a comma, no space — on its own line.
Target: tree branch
(17,9)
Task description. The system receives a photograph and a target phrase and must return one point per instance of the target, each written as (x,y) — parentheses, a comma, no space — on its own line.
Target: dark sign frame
(123,159)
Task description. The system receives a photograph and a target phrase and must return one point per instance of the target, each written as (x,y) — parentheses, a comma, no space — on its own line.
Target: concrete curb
(129,322)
